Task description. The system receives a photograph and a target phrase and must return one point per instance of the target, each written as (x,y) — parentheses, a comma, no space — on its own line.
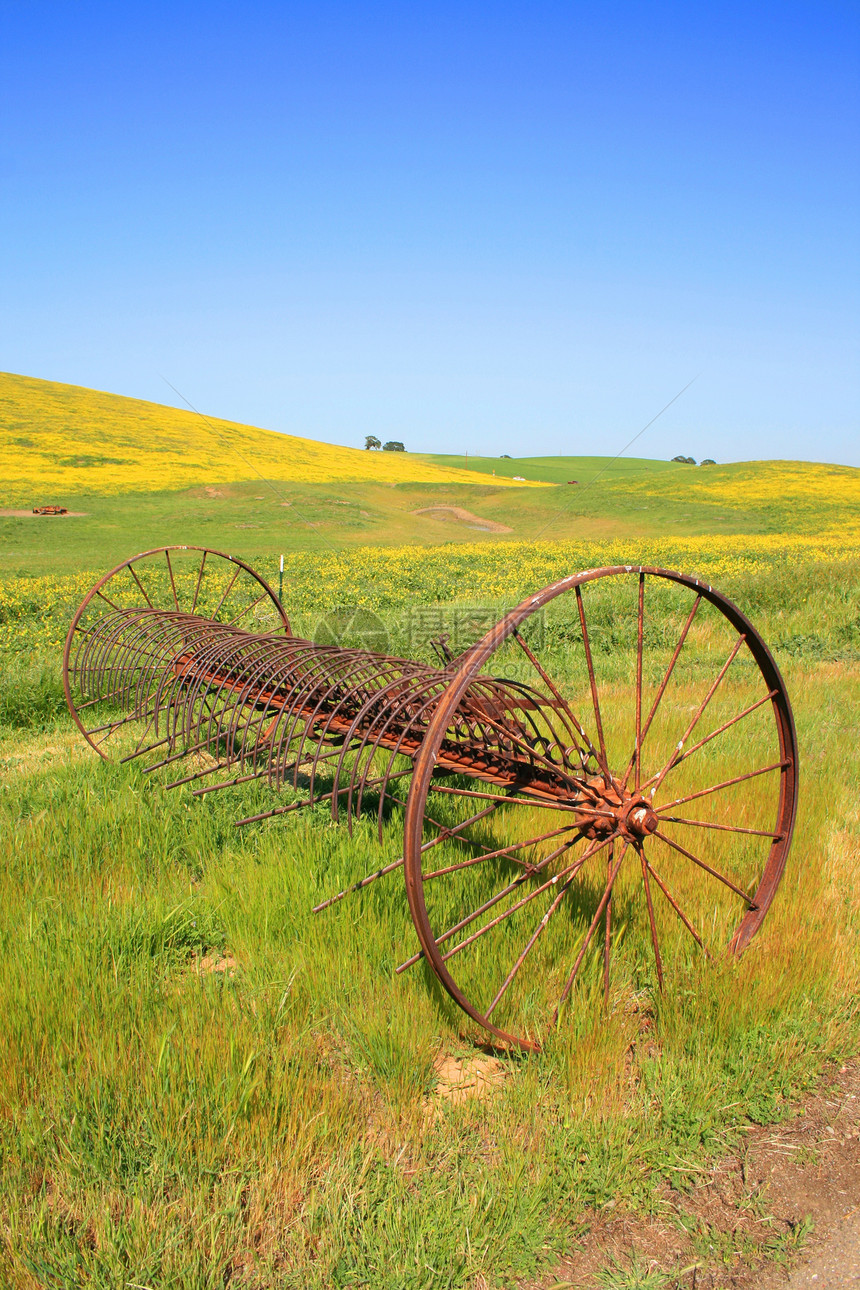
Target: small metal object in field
(50,510)
(627,775)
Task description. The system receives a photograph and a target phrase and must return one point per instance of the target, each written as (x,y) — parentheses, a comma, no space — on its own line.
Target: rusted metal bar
(170,661)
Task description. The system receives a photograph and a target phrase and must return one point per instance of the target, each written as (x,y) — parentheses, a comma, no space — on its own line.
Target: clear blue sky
(500,227)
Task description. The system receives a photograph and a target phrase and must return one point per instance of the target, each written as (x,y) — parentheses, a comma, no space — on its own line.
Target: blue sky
(488,228)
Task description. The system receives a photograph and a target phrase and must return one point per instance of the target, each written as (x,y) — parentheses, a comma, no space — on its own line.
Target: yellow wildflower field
(57,440)
(35,611)
(754,483)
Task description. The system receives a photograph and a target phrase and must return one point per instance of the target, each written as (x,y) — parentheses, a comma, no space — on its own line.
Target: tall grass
(270,1124)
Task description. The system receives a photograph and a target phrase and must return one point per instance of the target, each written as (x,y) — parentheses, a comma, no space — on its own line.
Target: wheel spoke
(607,933)
(576,725)
(120,721)
(667,675)
(197,774)
(679,753)
(246,610)
(310,801)
(568,986)
(673,902)
(654,938)
(172,580)
(395,864)
(506,891)
(726,783)
(541,927)
(707,868)
(572,871)
(593,683)
(199,580)
(543,803)
(503,851)
(230,585)
(529,748)
(640,636)
(131,570)
(140,752)
(683,755)
(723,828)
(101,595)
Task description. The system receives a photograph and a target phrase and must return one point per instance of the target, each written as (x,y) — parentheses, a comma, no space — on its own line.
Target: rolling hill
(63,440)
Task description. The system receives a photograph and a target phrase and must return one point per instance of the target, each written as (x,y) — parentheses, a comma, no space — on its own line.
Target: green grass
(557,470)
(267,1125)
(252,520)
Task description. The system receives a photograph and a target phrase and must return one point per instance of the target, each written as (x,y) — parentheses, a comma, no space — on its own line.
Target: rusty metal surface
(160,666)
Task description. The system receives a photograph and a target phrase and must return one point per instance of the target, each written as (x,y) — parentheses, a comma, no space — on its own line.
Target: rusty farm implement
(627,773)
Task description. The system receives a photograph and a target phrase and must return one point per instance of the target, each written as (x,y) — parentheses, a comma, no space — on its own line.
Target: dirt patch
(459,1079)
(210,963)
(28,515)
(461,516)
(780,1213)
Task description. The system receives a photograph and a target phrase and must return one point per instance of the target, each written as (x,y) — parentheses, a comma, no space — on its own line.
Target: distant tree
(372,442)
(393,445)
(506,456)
(707,461)
(687,461)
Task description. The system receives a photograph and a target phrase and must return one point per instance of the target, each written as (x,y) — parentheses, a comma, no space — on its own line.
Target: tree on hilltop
(393,445)
(371,441)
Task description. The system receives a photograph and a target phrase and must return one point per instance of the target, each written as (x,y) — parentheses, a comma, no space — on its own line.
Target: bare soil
(460,515)
(780,1213)
(28,515)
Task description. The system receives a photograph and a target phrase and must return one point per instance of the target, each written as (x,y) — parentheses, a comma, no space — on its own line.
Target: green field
(204,1084)
(262,520)
(556,470)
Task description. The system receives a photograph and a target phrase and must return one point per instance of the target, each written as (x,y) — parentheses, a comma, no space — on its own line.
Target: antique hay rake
(635,771)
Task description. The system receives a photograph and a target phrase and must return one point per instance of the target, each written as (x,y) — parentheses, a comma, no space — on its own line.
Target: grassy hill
(556,470)
(63,440)
(139,475)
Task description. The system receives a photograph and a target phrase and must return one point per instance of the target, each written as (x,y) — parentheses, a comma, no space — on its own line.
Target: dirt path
(461,516)
(783,1213)
(835,1265)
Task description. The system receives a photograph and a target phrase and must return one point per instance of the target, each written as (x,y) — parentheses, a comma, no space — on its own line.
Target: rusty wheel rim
(110,684)
(702,692)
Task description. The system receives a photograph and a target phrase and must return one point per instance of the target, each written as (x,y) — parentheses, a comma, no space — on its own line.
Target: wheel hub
(617,811)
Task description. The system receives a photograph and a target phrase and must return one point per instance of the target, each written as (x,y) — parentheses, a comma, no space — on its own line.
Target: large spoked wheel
(140,616)
(656,801)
